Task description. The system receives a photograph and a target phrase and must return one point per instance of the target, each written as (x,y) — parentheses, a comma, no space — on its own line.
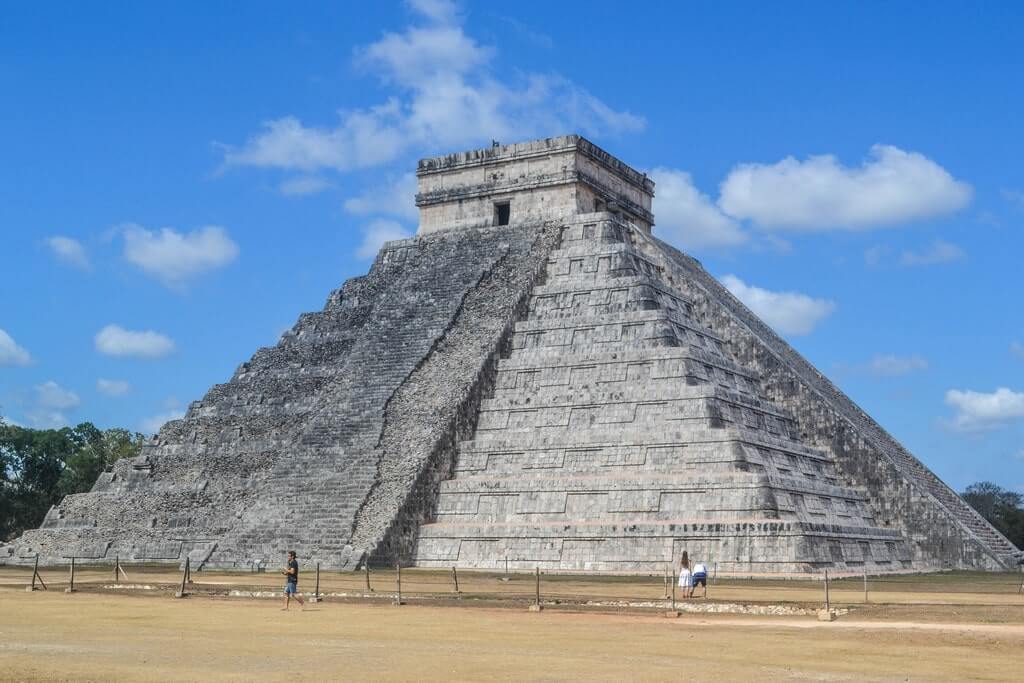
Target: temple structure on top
(534,378)
(551,179)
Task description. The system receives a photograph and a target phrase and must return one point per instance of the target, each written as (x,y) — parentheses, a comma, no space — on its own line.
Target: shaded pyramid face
(621,432)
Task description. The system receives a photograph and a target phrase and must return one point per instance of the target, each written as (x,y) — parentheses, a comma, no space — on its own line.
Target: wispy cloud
(114,340)
(888,365)
(303,186)
(980,411)
(1015,197)
(51,403)
(788,312)
(395,198)
(173,257)
(69,252)
(11,353)
(937,253)
(445,95)
(892,186)
(113,387)
(1017,349)
(376,234)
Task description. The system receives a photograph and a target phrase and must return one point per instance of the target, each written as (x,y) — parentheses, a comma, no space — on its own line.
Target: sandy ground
(97,636)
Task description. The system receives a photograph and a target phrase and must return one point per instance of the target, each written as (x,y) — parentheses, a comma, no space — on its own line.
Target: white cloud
(397,198)
(151,425)
(69,251)
(376,234)
(978,411)
(11,353)
(686,217)
(937,253)
(303,186)
(50,404)
(113,387)
(114,340)
(788,312)
(446,97)
(173,257)
(892,186)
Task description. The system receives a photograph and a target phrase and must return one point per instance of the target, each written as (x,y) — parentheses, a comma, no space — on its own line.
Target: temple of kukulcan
(534,378)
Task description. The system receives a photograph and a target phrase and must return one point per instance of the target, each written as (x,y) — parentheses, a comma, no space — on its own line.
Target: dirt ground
(152,636)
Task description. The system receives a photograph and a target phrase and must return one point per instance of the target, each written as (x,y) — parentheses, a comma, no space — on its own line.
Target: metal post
(35,573)
(367,568)
(865,586)
(664,580)
(537,574)
(455,579)
(71,579)
(673,589)
(827,606)
(184,576)
(117,567)
(1021,589)
(714,577)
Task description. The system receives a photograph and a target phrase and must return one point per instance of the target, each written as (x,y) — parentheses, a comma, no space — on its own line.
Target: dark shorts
(700,580)
(291,588)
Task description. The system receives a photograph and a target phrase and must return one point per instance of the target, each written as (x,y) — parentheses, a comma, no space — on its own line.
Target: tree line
(1004,509)
(38,467)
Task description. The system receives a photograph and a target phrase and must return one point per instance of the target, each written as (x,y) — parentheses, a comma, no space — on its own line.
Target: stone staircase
(620,432)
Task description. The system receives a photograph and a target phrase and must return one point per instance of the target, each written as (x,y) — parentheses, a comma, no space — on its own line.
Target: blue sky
(180,182)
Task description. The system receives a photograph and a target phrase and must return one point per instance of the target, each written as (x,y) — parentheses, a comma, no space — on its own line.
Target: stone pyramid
(534,379)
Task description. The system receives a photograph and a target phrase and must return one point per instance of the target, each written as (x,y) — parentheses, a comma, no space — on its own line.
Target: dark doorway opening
(501,213)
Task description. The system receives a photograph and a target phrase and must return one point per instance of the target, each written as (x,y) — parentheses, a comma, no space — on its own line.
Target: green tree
(1002,508)
(38,467)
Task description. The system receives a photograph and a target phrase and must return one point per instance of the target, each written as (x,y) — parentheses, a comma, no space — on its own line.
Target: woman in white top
(685,577)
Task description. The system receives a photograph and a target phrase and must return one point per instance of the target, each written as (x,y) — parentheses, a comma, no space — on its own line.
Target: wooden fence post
(71,578)
(316,590)
(117,568)
(366,566)
(536,606)
(455,579)
(827,606)
(184,577)
(398,582)
(36,576)
(865,585)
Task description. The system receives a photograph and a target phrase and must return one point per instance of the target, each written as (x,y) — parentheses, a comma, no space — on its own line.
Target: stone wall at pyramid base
(749,548)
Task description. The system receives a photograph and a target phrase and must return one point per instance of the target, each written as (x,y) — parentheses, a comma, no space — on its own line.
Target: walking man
(291,584)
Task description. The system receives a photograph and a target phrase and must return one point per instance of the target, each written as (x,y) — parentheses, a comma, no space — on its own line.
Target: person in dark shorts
(291,584)
(700,578)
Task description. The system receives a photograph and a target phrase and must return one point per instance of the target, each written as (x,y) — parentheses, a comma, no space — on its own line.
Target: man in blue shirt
(291,585)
